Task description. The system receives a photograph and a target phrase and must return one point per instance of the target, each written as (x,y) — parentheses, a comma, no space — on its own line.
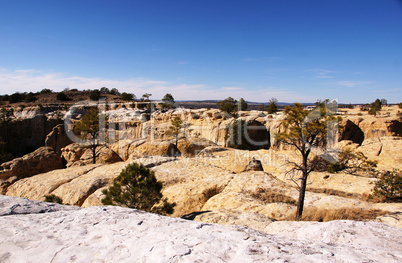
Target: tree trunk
(93,154)
(302,194)
(303,184)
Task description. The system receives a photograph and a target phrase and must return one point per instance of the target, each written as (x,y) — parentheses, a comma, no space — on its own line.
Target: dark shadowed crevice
(352,132)
(395,128)
(259,135)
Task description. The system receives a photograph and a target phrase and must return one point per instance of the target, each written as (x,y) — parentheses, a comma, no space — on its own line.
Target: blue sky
(291,50)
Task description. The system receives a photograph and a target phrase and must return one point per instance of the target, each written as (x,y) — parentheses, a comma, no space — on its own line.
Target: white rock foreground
(33,231)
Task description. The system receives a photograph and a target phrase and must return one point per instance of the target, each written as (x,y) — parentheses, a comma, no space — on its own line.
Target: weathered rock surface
(42,160)
(57,139)
(235,217)
(190,147)
(43,232)
(36,187)
(200,184)
(153,148)
(254,165)
(77,155)
(72,153)
(124,148)
(393,219)
(189,188)
(28,128)
(103,155)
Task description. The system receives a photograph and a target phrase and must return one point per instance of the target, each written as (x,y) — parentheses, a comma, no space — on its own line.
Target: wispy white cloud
(232,88)
(352,84)
(33,81)
(321,73)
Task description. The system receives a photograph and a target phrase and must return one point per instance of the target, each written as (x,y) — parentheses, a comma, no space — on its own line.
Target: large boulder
(57,139)
(42,160)
(154,148)
(190,147)
(124,148)
(77,155)
(72,153)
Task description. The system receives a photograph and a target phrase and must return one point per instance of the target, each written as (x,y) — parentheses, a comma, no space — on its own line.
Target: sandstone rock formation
(42,160)
(75,184)
(155,147)
(57,139)
(77,155)
(254,165)
(43,232)
(27,129)
(215,178)
(190,147)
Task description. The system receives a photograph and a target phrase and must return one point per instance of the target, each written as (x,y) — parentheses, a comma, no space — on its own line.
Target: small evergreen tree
(144,102)
(127,96)
(88,129)
(168,102)
(176,128)
(375,107)
(62,96)
(104,90)
(272,106)
(46,91)
(304,131)
(353,163)
(389,186)
(136,187)
(30,97)
(229,105)
(94,95)
(114,91)
(16,97)
(243,104)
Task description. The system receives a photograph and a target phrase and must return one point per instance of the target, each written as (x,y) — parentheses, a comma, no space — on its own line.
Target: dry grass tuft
(268,196)
(210,192)
(363,197)
(334,192)
(325,215)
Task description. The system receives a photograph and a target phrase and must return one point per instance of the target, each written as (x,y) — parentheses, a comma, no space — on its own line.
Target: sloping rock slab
(41,160)
(18,205)
(115,234)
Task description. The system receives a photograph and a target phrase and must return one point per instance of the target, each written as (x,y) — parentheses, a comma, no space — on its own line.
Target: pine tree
(137,187)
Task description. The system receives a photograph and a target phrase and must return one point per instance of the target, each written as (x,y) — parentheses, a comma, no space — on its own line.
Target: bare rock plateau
(33,231)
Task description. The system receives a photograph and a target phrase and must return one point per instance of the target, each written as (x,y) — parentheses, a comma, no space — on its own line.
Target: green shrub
(136,187)
(389,186)
(62,96)
(94,95)
(16,97)
(127,96)
(229,105)
(353,163)
(46,91)
(30,97)
(53,199)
